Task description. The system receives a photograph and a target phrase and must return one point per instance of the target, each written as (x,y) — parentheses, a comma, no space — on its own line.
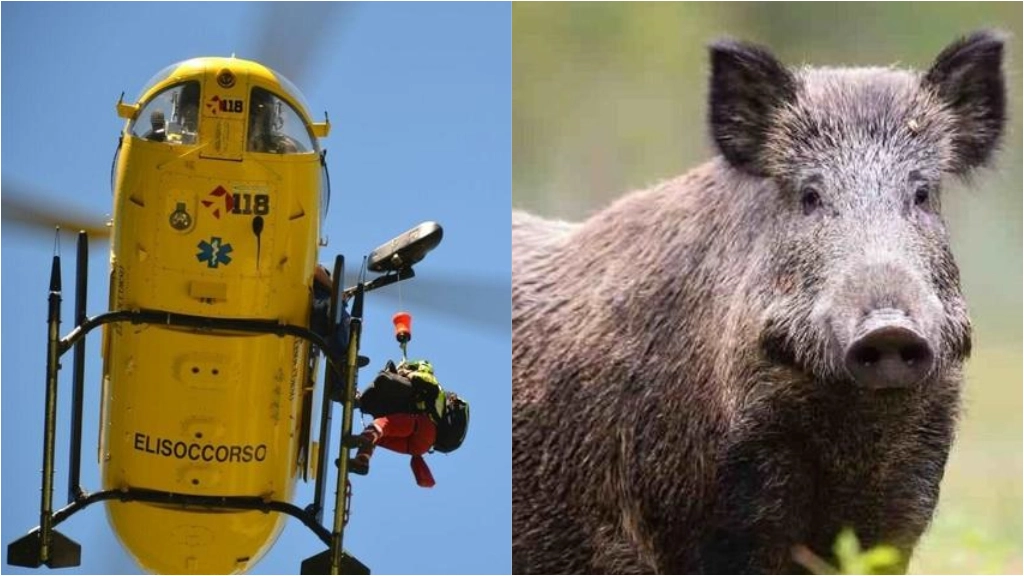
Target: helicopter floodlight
(406,249)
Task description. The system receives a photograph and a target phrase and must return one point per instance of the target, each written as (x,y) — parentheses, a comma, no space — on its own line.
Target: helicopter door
(225,104)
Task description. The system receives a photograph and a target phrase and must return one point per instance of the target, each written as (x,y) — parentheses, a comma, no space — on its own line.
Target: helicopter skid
(321,564)
(65,553)
(28,551)
(44,545)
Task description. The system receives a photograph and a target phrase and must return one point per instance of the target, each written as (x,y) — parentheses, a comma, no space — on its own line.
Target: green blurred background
(610,97)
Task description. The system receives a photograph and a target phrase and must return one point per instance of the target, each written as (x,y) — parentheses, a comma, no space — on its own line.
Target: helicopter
(209,379)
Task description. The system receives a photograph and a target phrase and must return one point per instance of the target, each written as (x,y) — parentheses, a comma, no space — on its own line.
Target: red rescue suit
(411,434)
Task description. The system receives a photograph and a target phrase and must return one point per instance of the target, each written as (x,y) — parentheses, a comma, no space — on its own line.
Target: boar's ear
(968,76)
(747,85)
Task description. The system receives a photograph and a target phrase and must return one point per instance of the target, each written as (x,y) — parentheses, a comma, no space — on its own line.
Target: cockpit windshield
(171,116)
(275,127)
(159,77)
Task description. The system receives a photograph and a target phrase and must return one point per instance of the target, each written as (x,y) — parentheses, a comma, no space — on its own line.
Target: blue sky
(419,100)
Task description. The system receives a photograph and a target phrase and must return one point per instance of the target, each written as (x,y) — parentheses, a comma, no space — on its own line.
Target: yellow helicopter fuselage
(208,222)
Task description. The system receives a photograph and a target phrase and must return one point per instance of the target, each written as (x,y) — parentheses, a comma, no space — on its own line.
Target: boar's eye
(922,194)
(810,199)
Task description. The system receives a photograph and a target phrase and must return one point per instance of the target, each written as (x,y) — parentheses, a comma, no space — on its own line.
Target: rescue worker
(417,404)
(412,413)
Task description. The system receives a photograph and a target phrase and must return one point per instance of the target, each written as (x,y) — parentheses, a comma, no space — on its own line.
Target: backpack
(390,393)
(412,390)
(451,429)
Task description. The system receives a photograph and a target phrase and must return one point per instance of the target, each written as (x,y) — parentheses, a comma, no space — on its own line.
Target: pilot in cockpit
(186,113)
(158,126)
(183,124)
(265,123)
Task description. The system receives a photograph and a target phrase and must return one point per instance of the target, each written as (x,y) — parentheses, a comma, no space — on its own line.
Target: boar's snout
(888,351)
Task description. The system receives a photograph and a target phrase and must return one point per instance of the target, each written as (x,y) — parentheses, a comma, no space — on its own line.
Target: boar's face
(860,284)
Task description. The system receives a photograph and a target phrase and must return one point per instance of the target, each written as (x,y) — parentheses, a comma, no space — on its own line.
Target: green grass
(977,528)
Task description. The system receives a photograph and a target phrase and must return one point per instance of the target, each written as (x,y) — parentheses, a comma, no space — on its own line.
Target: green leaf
(881,558)
(846,548)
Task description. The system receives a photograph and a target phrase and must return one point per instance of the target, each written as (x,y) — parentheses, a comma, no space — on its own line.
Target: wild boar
(765,350)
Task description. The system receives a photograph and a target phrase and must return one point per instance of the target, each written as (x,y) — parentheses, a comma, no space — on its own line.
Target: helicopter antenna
(362,271)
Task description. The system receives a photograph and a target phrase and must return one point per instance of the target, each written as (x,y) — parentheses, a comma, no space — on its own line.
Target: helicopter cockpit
(223,109)
(171,116)
(275,127)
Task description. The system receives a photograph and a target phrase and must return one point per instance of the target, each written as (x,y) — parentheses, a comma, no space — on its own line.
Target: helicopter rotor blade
(287,35)
(28,209)
(482,302)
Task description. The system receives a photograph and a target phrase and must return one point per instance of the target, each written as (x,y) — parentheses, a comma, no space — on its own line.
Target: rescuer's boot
(366,442)
(361,463)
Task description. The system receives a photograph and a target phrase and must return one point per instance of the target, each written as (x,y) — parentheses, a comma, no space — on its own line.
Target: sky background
(419,99)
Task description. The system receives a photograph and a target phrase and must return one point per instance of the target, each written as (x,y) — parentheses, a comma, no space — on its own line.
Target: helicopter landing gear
(321,564)
(335,560)
(62,552)
(44,545)
(337,389)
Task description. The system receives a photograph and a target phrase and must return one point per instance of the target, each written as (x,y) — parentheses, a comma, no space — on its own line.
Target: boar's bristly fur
(763,351)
